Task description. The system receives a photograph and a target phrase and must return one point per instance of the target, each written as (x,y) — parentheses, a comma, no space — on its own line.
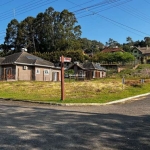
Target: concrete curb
(82,104)
(109,103)
(127,99)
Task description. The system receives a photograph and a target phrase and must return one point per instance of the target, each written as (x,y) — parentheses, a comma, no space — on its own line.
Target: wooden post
(62,79)
(18,74)
(123,82)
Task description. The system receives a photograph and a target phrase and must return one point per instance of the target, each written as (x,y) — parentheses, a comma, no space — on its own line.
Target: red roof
(111,50)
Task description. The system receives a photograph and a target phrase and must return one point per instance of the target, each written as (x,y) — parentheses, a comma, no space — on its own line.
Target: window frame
(46,71)
(37,69)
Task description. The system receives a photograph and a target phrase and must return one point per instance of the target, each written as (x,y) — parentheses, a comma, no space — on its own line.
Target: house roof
(111,50)
(88,66)
(2,59)
(25,58)
(143,50)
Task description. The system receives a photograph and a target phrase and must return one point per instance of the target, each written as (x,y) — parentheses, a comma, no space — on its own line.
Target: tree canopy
(51,34)
(47,32)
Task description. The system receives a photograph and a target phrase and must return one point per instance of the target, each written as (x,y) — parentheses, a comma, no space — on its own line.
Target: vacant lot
(96,91)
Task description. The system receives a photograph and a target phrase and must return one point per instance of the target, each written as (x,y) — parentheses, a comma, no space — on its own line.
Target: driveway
(25,126)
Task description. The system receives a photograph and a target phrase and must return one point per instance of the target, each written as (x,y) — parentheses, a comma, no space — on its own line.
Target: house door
(7,73)
(55,76)
(89,75)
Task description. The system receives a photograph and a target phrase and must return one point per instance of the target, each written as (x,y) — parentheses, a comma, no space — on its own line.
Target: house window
(80,72)
(46,72)
(135,51)
(37,71)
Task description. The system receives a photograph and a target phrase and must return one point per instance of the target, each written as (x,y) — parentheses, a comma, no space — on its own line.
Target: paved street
(25,126)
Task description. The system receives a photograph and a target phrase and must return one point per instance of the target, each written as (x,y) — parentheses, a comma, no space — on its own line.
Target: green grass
(96,91)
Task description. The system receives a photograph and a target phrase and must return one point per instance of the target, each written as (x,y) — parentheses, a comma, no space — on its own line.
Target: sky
(99,19)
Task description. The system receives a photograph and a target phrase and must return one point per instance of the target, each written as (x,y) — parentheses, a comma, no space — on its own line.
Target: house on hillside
(142,54)
(24,66)
(88,70)
(112,50)
(111,66)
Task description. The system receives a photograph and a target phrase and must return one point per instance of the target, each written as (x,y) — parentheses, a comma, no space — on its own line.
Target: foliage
(143,66)
(48,32)
(55,56)
(112,43)
(91,46)
(117,57)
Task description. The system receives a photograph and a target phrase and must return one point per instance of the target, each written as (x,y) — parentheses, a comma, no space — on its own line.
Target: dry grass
(83,91)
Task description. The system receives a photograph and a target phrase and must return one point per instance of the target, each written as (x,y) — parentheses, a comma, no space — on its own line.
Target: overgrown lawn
(96,91)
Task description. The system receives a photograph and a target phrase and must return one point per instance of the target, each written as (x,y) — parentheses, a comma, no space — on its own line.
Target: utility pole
(62,79)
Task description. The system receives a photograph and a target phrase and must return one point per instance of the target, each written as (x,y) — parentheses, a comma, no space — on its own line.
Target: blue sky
(99,19)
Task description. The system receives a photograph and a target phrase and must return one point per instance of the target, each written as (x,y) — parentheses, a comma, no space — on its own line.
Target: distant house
(142,54)
(24,66)
(112,50)
(112,66)
(88,70)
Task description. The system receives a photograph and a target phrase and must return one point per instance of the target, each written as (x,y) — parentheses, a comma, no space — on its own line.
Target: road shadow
(51,129)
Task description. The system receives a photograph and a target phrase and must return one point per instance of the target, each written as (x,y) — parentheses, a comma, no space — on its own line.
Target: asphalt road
(25,126)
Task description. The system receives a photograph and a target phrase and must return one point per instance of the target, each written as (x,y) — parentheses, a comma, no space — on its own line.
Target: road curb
(126,99)
(80,104)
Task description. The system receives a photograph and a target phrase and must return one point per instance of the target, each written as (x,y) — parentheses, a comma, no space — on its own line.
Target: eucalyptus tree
(130,41)
(40,31)
(69,32)
(56,30)
(147,41)
(49,31)
(11,34)
(112,43)
(26,35)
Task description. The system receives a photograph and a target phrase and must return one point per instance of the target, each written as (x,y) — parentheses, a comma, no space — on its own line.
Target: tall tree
(112,43)
(26,34)
(147,41)
(68,31)
(11,34)
(129,41)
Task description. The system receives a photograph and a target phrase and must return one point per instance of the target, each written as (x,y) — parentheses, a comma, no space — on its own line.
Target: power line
(135,13)
(111,6)
(21,8)
(29,9)
(80,4)
(100,4)
(108,19)
(18,6)
(6,3)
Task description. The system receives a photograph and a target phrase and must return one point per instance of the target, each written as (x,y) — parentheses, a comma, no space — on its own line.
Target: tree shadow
(43,129)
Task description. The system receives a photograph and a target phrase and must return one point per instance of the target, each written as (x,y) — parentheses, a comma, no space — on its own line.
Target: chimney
(76,62)
(147,47)
(23,50)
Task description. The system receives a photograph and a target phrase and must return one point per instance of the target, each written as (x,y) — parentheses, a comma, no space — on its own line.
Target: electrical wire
(6,3)
(111,20)
(29,9)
